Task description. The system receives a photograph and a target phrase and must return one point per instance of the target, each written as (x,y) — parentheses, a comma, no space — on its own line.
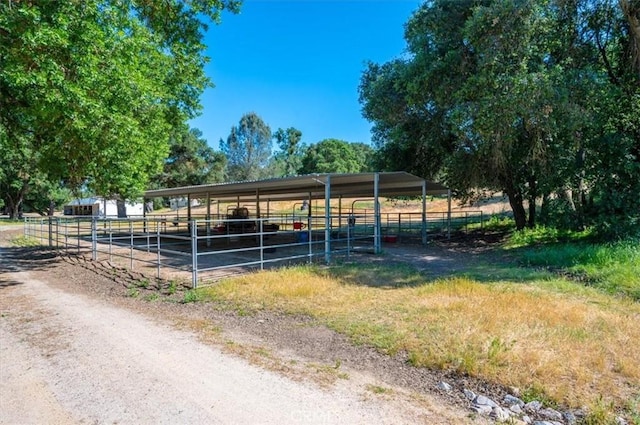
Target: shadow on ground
(16,259)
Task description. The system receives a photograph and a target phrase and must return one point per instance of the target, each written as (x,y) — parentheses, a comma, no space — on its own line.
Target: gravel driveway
(69,357)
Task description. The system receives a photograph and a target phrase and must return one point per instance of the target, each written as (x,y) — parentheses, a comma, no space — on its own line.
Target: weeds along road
(68,358)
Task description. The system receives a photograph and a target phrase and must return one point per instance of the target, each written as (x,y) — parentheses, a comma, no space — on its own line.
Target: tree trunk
(14,209)
(579,208)
(533,195)
(631,12)
(517,206)
(544,209)
(15,202)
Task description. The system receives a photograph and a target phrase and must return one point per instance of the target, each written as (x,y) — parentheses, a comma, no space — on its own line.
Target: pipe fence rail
(211,248)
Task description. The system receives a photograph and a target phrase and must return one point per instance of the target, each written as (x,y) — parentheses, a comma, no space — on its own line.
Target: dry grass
(576,345)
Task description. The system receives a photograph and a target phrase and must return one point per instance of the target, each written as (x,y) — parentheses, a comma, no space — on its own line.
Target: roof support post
(376,214)
(309,227)
(144,215)
(339,215)
(260,229)
(424,213)
(327,220)
(448,213)
(208,219)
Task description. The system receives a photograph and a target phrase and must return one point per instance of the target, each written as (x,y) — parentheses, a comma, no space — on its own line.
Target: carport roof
(390,184)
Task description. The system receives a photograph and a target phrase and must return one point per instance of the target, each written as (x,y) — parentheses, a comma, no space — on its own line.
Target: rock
(526,419)
(500,414)
(533,406)
(511,400)
(550,414)
(620,421)
(444,386)
(570,418)
(469,394)
(482,409)
(515,408)
(484,401)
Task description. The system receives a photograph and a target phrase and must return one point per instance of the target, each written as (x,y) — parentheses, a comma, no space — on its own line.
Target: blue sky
(298,64)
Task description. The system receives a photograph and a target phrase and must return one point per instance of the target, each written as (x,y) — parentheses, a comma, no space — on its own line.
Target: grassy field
(557,317)
(555,340)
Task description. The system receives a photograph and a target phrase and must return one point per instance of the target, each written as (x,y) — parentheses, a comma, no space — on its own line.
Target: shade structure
(390,184)
(316,186)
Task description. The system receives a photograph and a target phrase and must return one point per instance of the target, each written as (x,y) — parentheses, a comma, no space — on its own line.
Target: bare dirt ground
(75,347)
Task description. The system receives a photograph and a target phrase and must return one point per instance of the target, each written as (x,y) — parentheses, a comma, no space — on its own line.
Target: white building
(177,203)
(101,207)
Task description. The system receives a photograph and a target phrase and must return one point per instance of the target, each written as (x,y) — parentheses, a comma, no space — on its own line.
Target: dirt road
(66,357)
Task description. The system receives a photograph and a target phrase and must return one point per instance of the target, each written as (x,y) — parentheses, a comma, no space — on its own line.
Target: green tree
(45,197)
(22,185)
(335,156)
(17,168)
(290,154)
(248,149)
(534,98)
(191,161)
(95,87)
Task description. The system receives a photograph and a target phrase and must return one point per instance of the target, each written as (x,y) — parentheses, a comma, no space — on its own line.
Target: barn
(102,207)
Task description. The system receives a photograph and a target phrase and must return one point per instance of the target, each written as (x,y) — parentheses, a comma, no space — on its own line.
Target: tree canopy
(290,154)
(336,156)
(538,99)
(191,161)
(91,89)
(248,148)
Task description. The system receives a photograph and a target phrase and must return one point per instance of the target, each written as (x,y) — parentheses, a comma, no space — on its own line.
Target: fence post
(94,237)
(50,232)
(158,245)
(194,254)
(110,241)
(348,238)
(261,228)
(66,236)
(147,233)
(131,244)
(309,237)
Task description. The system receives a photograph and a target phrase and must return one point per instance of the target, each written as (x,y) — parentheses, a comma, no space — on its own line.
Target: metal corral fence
(209,249)
(408,226)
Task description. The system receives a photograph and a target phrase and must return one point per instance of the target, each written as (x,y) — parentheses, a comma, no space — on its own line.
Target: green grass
(8,222)
(24,241)
(192,296)
(611,267)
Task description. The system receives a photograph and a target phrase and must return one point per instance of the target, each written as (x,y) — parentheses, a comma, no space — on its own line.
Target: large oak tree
(91,89)
(536,98)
